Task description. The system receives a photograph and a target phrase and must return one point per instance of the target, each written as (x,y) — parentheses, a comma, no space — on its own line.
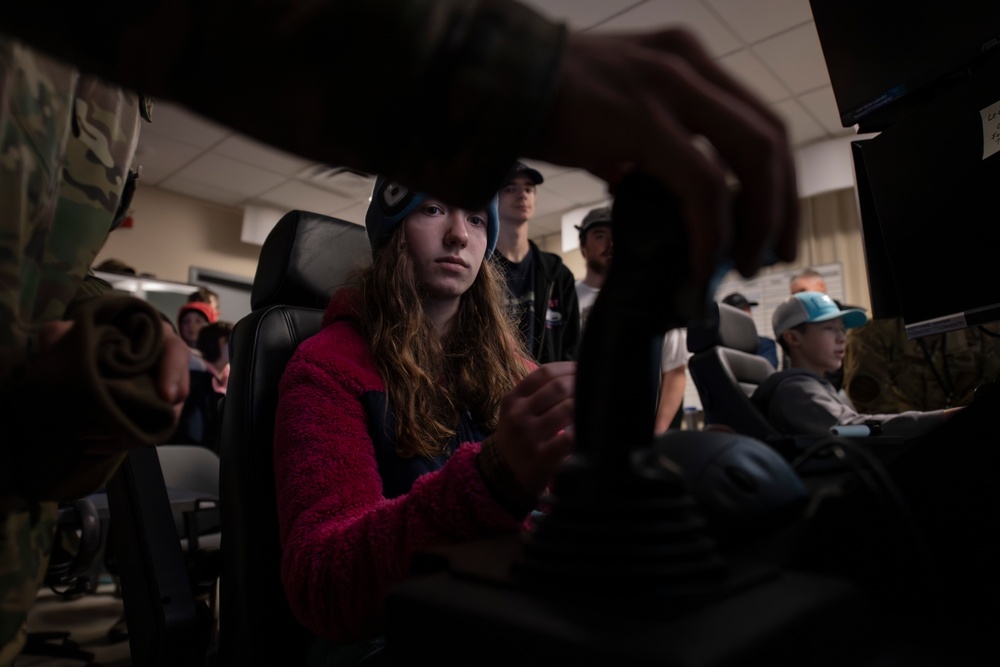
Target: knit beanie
(392,202)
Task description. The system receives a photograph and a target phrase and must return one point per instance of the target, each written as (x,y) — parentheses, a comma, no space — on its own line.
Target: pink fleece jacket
(344,543)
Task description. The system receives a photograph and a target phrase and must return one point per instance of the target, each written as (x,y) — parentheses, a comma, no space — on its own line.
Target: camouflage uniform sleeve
(442,94)
(65,143)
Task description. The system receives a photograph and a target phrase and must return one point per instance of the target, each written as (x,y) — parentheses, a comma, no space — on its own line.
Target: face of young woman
(447,246)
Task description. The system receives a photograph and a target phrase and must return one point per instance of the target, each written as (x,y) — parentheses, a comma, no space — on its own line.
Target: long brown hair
(431,381)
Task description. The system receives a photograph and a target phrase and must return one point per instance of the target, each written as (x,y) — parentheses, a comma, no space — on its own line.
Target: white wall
(172,232)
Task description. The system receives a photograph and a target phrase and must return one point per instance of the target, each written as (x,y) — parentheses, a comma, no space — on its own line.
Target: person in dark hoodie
(812,331)
(412,420)
(542,291)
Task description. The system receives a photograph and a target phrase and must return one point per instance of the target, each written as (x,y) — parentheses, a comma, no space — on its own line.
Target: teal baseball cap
(810,307)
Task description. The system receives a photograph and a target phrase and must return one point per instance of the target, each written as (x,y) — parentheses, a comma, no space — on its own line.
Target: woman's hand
(534,416)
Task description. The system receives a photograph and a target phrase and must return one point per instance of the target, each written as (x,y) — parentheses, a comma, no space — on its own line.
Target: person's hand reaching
(638,102)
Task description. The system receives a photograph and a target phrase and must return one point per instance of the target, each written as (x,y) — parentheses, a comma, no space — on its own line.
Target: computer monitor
(888,57)
(929,186)
(882,290)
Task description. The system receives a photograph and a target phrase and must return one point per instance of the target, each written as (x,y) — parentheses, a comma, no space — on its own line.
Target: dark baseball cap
(521,168)
(596,216)
(737,300)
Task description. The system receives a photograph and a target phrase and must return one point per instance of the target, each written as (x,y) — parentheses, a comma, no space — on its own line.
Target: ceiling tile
(796,58)
(802,127)
(691,14)
(296,195)
(578,186)
(747,68)
(239,147)
(198,189)
(231,175)
(547,202)
(754,20)
(340,180)
(160,156)
(545,225)
(547,170)
(180,124)
(823,106)
(354,213)
(581,14)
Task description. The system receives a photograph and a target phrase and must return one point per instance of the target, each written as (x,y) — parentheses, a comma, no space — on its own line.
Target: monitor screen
(882,290)
(930,184)
(886,57)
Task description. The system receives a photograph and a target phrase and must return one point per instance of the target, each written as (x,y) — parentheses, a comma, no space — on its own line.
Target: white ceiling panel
(802,127)
(176,122)
(231,175)
(748,69)
(796,58)
(547,170)
(201,190)
(577,186)
(338,180)
(545,225)
(581,14)
(754,20)
(242,149)
(547,202)
(161,156)
(823,105)
(691,14)
(354,213)
(296,195)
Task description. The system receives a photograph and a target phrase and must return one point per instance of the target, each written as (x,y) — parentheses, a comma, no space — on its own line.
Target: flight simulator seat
(304,259)
(726,369)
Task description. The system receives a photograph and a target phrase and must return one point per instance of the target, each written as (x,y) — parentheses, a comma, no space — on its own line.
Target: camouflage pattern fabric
(884,372)
(66,142)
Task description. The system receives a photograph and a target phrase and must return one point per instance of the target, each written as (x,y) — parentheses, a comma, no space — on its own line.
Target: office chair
(726,369)
(304,259)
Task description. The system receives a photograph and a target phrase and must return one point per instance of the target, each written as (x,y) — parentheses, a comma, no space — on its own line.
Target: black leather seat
(726,369)
(304,259)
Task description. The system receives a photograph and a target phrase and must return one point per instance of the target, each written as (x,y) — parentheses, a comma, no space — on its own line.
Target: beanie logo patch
(392,195)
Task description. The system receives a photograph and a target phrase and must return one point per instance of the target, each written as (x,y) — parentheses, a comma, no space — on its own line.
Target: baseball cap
(596,216)
(521,168)
(204,309)
(813,307)
(737,300)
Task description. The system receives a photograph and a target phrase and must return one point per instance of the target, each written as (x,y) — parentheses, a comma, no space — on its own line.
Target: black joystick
(621,520)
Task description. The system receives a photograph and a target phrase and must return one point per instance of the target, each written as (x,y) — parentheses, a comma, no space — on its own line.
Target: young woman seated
(413,419)
(811,329)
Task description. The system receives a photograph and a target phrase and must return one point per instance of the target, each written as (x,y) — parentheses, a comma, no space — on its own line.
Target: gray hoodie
(799,402)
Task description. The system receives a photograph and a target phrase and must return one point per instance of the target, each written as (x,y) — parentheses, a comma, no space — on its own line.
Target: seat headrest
(735,330)
(305,258)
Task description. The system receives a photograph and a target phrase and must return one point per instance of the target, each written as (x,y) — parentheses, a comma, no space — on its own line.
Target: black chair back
(726,369)
(304,259)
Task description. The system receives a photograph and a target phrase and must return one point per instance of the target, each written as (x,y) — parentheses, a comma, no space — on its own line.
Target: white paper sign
(991,129)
